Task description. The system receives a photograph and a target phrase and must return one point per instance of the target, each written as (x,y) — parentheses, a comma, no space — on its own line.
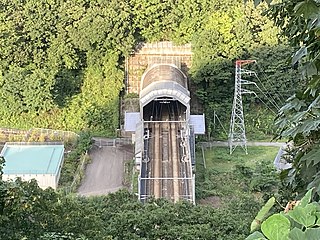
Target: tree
(49,52)
(299,118)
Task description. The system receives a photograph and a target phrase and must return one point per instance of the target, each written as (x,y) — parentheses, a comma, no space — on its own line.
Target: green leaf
(276,227)
(315,103)
(312,233)
(310,69)
(269,2)
(318,219)
(306,199)
(299,54)
(255,236)
(304,215)
(309,125)
(312,156)
(257,2)
(298,116)
(307,8)
(315,183)
(296,234)
(262,214)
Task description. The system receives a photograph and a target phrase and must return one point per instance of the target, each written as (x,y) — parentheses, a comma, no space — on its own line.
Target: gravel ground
(105,173)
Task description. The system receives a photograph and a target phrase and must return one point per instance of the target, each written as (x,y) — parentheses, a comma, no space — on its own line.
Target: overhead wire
(272,102)
(279,96)
(225,131)
(270,98)
(266,105)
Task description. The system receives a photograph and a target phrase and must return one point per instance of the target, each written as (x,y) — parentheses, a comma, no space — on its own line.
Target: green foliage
(298,119)
(178,21)
(59,236)
(237,176)
(299,223)
(2,161)
(233,32)
(25,209)
(59,63)
(72,159)
(50,215)
(262,214)
(259,123)
(32,213)
(240,182)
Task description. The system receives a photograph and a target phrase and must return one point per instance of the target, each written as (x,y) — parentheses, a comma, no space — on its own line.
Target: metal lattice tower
(237,134)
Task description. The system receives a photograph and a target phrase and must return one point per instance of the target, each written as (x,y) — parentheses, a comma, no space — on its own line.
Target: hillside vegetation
(61,62)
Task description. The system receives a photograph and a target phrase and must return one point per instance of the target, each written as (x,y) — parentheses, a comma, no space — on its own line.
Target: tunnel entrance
(164,109)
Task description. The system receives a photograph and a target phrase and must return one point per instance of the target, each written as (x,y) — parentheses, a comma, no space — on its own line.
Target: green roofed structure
(40,161)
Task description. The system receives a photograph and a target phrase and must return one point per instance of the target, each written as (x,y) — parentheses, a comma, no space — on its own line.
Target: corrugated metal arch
(164,89)
(163,72)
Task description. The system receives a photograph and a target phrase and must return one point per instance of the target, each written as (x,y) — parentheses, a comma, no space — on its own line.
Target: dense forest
(61,66)
(62,62)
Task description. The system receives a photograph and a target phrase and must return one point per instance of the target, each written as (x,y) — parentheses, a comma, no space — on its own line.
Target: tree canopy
(28,212)
(62,62)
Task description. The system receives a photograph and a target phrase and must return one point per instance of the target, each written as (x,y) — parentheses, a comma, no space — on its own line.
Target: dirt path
(105,173)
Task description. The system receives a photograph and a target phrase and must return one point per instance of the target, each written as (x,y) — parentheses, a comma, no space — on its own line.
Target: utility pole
(237,133)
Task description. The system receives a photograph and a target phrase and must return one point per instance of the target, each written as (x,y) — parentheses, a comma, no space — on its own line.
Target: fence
(80,172)
(36,135)
(112,142)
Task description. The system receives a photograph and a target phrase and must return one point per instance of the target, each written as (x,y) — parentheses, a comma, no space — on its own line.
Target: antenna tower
(237,133)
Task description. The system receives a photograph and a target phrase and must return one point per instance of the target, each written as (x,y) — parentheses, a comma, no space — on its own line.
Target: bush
(72,159)
(299,221)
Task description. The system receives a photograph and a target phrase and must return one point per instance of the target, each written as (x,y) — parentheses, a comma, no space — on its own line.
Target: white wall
(44,180)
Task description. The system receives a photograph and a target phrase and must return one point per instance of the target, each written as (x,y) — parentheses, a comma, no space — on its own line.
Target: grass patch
(238,176)
(236,184)
(219,159)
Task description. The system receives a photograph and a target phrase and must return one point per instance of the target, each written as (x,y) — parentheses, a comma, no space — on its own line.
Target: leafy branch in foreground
(299,118)
(299,223)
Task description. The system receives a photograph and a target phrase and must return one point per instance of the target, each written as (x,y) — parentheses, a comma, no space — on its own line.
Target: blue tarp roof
(32,159)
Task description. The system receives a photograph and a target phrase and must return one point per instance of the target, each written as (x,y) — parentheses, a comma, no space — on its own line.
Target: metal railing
(112,142)
(36,135)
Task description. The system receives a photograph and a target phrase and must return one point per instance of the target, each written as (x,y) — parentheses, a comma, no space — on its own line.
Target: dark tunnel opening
(164,109)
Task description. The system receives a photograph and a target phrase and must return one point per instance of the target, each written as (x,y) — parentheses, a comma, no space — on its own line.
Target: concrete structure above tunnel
(147,54)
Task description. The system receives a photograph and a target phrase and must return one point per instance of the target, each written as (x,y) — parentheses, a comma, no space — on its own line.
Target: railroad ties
(169,173)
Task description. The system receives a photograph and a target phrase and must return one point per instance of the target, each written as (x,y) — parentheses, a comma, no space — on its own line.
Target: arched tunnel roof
(160,72)
(164,80)
(164,89)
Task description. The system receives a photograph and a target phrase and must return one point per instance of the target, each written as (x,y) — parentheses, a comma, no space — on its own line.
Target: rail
(166,170)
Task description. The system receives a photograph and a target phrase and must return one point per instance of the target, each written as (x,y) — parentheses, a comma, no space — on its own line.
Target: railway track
(164,163)
(165,159)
